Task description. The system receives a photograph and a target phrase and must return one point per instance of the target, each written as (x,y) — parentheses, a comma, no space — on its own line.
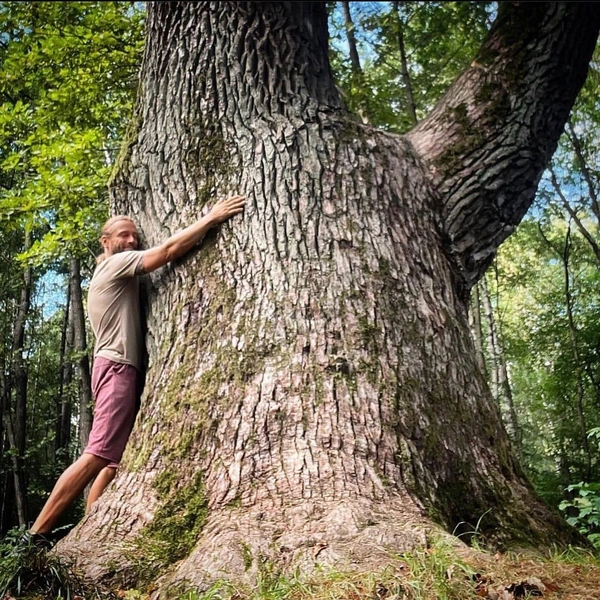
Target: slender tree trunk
(477,328)
(8,513)
(566,204)
(492,344)
(313,394)
(83,362)
(585,170)
(16,420)
(351,38)
(564,254)
(357,72)
(19,485)
(64,400)
(507,403)
(406,79)
(580,387)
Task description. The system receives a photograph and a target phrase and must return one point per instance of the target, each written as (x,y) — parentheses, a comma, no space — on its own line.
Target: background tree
(411,52)
(548,309)
(313,391)
(67,79)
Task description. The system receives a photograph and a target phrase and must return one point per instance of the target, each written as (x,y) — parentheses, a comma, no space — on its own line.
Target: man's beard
(118,248)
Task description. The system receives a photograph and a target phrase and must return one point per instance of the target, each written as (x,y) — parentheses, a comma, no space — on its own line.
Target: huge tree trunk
(313,393)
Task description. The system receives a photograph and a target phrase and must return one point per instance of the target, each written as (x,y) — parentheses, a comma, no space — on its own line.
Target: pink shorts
(116,388)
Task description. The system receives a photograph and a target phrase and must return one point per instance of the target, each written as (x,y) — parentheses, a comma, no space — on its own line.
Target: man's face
(124,236)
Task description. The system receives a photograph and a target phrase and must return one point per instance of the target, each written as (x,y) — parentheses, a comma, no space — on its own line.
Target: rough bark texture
(312,393)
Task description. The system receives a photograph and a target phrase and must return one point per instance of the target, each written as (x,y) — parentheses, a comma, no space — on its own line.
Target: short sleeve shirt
(114,309)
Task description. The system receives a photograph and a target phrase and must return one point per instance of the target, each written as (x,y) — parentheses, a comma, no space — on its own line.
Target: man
(114,312)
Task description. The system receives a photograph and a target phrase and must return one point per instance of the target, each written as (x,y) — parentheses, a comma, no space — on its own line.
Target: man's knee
(92,463)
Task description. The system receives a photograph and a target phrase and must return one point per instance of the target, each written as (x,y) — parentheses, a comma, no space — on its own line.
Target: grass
(445,570)
(31,573)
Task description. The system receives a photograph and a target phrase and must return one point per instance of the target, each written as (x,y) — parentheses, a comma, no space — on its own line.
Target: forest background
(68,76)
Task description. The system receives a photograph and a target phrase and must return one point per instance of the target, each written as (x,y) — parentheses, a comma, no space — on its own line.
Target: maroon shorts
(116,389)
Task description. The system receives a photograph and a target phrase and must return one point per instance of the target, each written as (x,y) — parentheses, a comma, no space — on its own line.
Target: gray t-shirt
(114,309)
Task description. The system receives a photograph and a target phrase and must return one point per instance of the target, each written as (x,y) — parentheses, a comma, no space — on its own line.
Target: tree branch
(582,229)
(576,143)
(488,140)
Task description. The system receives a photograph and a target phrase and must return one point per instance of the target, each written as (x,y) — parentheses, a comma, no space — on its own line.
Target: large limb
(491,135)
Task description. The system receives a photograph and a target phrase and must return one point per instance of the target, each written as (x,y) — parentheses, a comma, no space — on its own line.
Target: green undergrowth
(32,573)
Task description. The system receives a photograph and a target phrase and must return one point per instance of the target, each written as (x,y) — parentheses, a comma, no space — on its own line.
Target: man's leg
(104,478)
(69,485)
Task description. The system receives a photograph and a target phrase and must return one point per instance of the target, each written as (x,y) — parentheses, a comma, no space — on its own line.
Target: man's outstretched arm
(183,241)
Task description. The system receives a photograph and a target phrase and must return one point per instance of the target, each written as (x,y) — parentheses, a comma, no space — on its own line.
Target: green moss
(235,503)
(209,162)
(369,335)
(470,138)
(139,459)
(165,482)
(129,141)
(247,556)
(173,533)
(180,516)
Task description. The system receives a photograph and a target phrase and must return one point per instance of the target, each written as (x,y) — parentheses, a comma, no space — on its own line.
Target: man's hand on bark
(226,208)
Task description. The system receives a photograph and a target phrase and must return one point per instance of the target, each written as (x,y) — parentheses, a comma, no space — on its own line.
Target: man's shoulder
(122,264)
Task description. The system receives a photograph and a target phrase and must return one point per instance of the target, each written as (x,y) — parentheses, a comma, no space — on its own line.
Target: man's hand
(224,209)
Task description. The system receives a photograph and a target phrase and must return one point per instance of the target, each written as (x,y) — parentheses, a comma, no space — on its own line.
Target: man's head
(119,234)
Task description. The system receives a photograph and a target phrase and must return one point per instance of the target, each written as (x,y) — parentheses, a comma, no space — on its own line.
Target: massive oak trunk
(313,393)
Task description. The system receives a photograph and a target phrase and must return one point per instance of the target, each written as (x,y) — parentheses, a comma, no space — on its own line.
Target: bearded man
(115,316)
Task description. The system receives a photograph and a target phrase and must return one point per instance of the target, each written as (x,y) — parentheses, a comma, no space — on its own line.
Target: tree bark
(312,381)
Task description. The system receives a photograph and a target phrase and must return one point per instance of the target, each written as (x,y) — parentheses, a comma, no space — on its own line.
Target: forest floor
(442,571)
(572,575)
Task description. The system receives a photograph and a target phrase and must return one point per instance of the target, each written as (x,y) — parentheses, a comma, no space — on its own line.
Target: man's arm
(183,241)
